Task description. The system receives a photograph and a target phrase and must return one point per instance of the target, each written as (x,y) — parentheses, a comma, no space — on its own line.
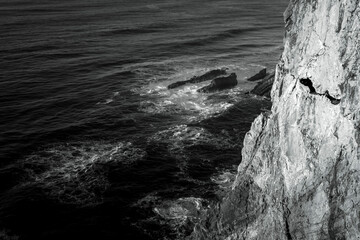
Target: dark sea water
(93,145)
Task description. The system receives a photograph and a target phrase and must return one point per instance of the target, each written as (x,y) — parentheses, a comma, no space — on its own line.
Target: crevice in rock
(286,211)
(281,87)
(341,18)
(246,212)
(292,90)
(286,216)
(288,234)
(307,82)
(334,229)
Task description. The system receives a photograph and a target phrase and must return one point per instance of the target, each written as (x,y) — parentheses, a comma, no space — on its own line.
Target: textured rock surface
(258,76)
(263,88)
(196,79)
(220,83)
(299,177)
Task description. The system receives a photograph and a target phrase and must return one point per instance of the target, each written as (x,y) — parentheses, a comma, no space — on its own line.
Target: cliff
(300,170)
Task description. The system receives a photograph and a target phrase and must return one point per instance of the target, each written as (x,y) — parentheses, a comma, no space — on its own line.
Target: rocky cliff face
(300,173)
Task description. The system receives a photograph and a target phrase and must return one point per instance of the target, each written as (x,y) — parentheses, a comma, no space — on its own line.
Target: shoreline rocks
(220,83)
(197,79)
(263,88)
(258,76)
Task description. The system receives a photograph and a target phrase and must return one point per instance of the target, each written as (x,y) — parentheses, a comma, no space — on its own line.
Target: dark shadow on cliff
(308,83)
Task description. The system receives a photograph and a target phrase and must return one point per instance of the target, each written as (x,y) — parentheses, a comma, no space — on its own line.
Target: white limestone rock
(299,177)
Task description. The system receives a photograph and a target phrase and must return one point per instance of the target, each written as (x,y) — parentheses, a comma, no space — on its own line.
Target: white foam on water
(224,179)
(181,209)
(74,173)
(186,101)
(181,214)
(178,214)
(182,137)
(6,235)
(189,136)
(110,99)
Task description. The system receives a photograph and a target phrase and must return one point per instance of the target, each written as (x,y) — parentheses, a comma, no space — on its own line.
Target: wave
(217,37)
(192,147)
(186,105)
(182,214)
(76,173)
(147,28)
(176,216)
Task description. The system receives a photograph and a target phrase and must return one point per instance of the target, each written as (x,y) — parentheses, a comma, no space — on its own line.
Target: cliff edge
(300,173)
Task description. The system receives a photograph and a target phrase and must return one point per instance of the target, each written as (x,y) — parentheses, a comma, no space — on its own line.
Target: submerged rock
(258,76)
(220,83)
(196,79)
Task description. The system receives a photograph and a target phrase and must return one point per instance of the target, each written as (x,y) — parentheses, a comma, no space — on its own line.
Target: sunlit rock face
(300,173)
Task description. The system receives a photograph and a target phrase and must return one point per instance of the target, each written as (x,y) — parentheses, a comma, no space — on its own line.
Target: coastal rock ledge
(300,172)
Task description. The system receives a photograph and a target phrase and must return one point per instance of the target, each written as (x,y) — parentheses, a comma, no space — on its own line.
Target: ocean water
(93,144)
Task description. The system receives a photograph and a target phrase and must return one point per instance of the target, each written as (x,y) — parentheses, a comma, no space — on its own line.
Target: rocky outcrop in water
(258,76)
(263,88)
(197,79)
(300,171)
(220,83)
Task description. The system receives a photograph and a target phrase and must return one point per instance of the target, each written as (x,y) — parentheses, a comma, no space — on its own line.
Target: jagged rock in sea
(220,83)
(300,172)
(263,88)
(258,76)
(196,79)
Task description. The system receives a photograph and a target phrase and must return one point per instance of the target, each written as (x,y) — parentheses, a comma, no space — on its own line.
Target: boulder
(196,79)
(258,76)
(220,83)
(177,84)
(263,88)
